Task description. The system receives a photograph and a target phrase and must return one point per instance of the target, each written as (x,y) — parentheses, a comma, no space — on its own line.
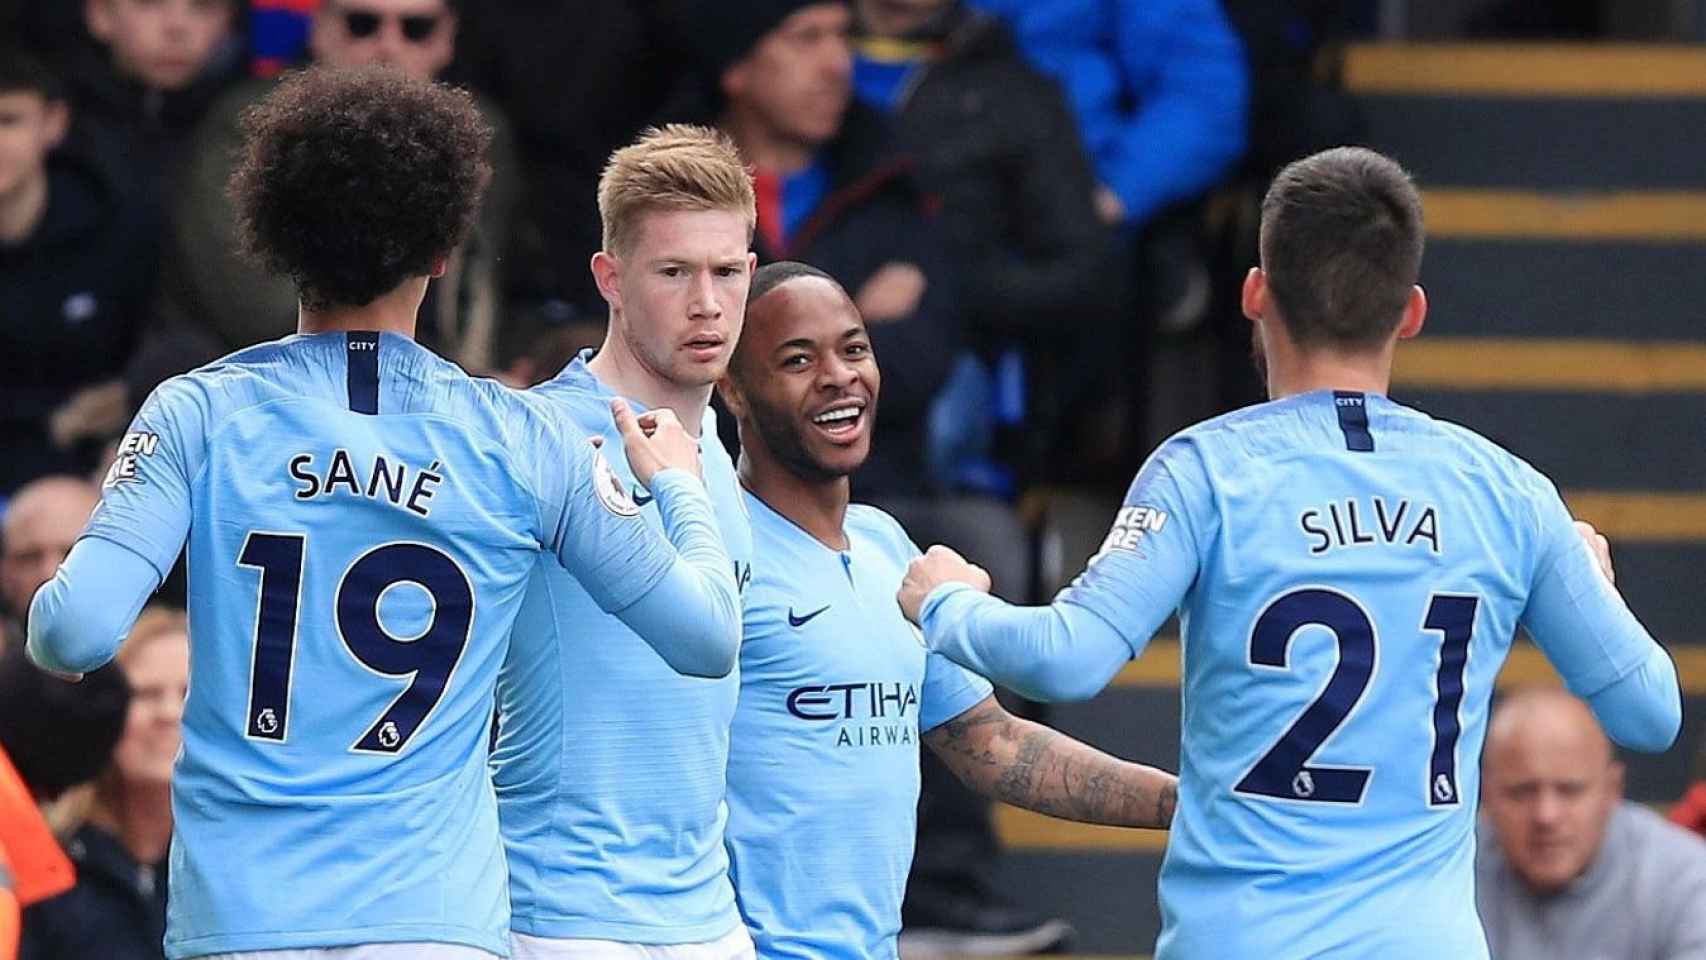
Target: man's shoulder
(1664,847)
(577,396)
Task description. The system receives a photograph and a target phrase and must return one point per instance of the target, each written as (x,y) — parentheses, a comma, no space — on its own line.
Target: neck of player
(21,211)
(1292,371)
(817,505)
(629,377)
(394,312)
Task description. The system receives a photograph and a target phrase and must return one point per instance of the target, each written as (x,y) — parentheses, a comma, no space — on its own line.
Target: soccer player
(1349,574)
(362,520)
(836,689)
(609,764)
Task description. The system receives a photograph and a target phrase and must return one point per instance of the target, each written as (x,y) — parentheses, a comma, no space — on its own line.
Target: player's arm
(1032,766)
(78,618)
(1577,617)
(1072,648)
(677,592)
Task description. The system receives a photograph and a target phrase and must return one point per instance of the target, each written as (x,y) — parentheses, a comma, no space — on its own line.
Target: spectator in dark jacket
(578,79)
(76,280)
(152,71)
(996,141)
(117,911)
(833,193)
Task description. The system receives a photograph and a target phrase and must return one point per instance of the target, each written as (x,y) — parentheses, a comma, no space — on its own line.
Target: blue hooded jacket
(1160,88)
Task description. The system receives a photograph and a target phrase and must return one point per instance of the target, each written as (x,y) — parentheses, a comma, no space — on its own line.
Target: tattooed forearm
(1029,765)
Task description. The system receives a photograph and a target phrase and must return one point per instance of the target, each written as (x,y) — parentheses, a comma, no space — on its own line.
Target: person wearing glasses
(209,289)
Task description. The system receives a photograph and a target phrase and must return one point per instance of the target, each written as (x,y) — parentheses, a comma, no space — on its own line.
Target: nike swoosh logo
(798,622)
(641,496)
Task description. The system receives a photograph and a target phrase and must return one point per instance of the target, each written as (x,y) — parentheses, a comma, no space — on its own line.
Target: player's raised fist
(939,565)
(1598,546)
(654,441)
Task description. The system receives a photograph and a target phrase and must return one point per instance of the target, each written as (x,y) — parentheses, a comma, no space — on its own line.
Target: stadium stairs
(1565,193)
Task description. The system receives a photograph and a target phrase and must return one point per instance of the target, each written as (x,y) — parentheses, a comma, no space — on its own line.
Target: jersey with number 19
(1352,573)
(362,519)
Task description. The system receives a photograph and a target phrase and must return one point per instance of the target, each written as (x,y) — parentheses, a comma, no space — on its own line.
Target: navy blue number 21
(427,660)
(1284,771)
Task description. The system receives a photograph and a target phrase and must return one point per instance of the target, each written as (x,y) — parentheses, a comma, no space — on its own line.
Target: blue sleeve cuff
(1643,710)
(79,618)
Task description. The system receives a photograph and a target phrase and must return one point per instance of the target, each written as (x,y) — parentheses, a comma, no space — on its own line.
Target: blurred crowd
(1028,198)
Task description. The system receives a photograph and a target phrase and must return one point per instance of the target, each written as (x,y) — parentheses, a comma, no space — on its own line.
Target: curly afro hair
(351,181)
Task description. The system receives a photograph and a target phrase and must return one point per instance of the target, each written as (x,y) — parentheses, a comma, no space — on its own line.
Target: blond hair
(155,622)
(674,167)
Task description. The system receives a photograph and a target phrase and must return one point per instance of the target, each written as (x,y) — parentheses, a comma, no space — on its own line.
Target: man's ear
(735,81)
(1254,297)
(58,122)
(731,395)
(1415,314)
(607,274)
(98,17)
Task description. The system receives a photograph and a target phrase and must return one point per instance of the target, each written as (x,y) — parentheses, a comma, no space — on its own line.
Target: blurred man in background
(996,142)
(77,265)
(151,72)
(41,523)
(1565,866)
(209,289)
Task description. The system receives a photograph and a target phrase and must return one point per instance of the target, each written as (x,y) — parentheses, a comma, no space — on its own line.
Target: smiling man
(609,761)
(836,688)
(1565,867)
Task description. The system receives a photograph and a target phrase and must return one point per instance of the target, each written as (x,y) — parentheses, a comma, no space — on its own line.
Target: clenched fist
(939,565)
(654,440)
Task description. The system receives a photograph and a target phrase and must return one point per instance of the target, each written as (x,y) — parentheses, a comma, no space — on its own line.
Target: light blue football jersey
(836,688)
(609,764)
(1349,574)
(362,520)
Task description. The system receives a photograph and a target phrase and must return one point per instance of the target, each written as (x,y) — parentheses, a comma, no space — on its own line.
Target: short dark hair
(23,72)
(1341,244)
(59,734)
(772,275)
(350,181)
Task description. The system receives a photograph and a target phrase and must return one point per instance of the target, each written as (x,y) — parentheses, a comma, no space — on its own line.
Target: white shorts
(368,951)
(735,945)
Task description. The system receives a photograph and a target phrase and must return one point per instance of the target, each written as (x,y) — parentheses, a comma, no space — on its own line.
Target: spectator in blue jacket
(1160,88)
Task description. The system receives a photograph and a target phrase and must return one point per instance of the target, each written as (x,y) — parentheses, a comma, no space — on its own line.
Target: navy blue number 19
(427,661)
(1284,771)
